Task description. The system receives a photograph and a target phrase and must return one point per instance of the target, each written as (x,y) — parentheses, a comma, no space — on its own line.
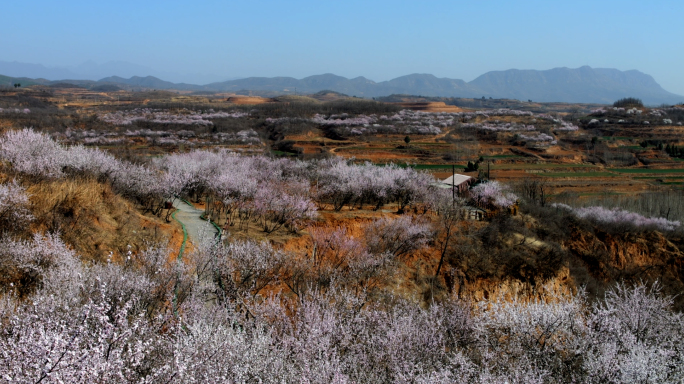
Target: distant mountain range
(91,70)
(580,85)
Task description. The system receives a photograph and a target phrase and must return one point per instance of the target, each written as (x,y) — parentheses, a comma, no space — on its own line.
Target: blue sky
(376,39)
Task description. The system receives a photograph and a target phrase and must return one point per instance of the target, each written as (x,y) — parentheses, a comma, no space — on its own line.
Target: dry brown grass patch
(93,219)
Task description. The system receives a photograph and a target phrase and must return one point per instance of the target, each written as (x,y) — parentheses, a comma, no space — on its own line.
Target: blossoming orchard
(353,241)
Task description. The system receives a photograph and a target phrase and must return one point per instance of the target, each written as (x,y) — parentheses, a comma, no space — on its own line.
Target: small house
(460,182)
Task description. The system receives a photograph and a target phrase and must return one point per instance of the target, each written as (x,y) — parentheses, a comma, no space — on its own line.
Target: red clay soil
(248,100)
(439,106)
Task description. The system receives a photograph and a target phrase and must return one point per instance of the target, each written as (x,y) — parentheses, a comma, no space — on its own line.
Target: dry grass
(93,219)
(248,100)
(296,99)
(438,106)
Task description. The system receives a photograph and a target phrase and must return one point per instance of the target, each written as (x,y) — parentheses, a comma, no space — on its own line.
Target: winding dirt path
(196,227)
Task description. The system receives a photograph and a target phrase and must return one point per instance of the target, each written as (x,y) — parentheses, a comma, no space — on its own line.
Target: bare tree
(535,190)
(450,212)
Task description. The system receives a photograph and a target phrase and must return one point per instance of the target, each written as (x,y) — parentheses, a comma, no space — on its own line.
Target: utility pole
(453,186)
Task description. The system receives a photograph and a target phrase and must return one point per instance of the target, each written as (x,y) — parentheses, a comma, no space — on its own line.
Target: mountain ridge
(562,84)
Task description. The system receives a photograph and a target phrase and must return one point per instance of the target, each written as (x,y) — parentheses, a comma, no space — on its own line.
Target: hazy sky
(376,39)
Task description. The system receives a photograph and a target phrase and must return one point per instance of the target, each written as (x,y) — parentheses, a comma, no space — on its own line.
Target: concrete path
(190,217)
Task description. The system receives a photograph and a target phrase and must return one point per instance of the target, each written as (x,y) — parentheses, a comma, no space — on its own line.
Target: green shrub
(628,102)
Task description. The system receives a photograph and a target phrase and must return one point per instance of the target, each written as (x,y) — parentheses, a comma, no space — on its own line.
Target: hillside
(149,82)
(580,85)
(336,239)
(585,84)
(17,69)
(24,81)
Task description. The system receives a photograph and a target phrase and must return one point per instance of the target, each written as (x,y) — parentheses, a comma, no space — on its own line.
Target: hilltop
(579,85)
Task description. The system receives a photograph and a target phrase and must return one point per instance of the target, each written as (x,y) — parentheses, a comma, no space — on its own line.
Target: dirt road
(196,227)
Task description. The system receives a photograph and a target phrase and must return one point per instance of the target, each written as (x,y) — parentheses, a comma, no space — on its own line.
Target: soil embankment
(439,106)
(248,100)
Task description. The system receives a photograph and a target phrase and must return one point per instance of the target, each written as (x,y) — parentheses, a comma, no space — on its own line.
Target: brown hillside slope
(93,219)
(518,255)
(438,106)
(248,100)
(630,257)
